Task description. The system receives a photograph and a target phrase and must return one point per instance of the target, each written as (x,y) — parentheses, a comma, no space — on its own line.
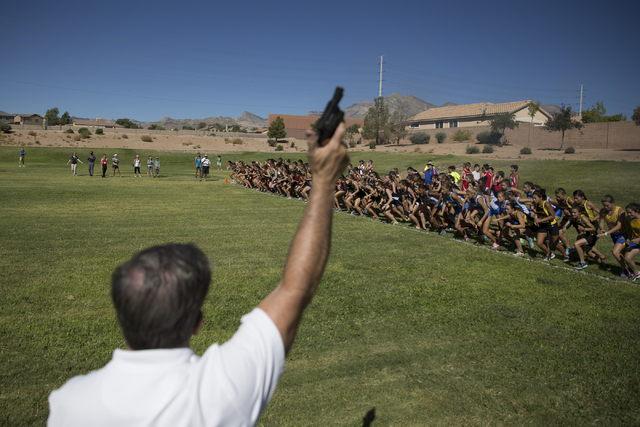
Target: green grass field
(425,329)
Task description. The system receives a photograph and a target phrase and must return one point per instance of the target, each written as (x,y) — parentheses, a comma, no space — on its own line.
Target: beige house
(6,117)
(474,115)
(27,119)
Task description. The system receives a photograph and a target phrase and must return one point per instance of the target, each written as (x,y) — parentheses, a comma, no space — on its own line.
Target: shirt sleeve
(248,366)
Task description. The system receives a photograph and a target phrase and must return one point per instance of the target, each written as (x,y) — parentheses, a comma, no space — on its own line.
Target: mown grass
(425,329)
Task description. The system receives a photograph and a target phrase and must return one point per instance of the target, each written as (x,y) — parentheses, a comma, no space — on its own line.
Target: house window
(453,123)
(440,124)
(415,125)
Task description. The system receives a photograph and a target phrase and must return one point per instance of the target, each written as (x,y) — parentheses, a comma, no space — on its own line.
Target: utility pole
(380,89)
(580,100)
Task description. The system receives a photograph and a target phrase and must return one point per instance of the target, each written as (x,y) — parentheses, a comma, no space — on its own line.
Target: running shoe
(466,238)
(519,254)
(394,223)
(625,274)
(581,265)
(495,246)
(418,227)
(566,258)
(550,257)
(360,216)
(531,245)
(633,277)
(443,232)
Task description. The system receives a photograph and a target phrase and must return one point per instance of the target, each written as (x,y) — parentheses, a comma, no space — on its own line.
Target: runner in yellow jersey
(633,238)
(614,217)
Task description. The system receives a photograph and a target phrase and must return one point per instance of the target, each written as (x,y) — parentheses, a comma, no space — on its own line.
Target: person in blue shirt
(21,161)
(429,171)
(198,166)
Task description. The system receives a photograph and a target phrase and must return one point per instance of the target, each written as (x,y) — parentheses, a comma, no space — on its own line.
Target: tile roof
(470,110)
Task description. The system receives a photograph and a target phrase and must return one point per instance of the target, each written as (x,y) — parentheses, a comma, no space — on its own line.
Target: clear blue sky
(194,59)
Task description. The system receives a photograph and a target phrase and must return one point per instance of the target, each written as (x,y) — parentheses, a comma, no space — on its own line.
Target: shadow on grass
(369,417)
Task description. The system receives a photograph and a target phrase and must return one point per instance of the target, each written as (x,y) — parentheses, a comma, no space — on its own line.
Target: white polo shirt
(230,385)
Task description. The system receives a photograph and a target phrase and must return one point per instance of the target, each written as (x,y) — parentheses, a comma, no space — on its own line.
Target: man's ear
(198,324)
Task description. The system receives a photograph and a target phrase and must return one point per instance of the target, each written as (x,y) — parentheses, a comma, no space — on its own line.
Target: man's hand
(329,161)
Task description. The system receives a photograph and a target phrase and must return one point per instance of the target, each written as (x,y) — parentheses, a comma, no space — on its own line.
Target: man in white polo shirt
(158,296)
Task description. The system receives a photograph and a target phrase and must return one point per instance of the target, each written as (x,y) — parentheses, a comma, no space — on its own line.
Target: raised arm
(310,247)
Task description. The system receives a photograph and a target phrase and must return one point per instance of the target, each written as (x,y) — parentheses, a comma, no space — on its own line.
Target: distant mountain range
(396,102)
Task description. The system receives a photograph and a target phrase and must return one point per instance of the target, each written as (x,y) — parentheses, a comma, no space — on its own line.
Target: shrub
(441,136)
(236,141)
(5,127)
(146,138)
(472,149)
(84,132)
(372,145)
(77,137)
(37,142)
(420,138)
(32,133)
(570,150)
(279,148)
(489,137)
(487,149)
(352,143)
(68,131)
(272,142)
(99,131)
(525,150)
(462,135)
(293,144)
(124,136)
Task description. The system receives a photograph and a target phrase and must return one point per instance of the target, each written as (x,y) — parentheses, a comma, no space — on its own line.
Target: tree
(597,114)
(127,123)
(562,121)
(202,125)
(52,116)
(65,119)
(441,136)
(237,128)
(376,122)
(5,127)
(503,121)
(187,128)
(276,129)
(350,131)
(314,125)
(218,127)
(398,124)
(636,116)
(533,108)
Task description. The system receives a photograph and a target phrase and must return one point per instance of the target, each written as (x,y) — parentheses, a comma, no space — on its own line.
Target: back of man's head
(158,295)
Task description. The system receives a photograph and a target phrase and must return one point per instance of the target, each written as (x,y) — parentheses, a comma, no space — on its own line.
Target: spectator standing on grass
(74,163)
(206,163)
(136,166)
(115,166)
(103,163)
(21,161)
(149,167)
(91,162)
(156,164)
(219,162)
(199,166)
(158,296)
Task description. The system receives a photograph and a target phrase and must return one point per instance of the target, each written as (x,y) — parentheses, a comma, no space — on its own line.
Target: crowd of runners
(477,203)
